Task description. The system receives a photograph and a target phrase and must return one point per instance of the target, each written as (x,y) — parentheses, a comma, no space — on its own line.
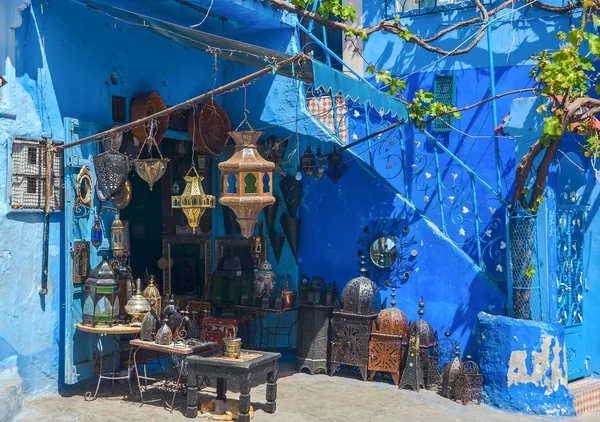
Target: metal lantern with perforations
(247,181)
(193,201)
(385,345)
(352,323)
(101,296)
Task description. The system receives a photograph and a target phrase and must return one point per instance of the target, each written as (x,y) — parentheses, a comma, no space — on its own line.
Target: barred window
(444,91)
(28,185)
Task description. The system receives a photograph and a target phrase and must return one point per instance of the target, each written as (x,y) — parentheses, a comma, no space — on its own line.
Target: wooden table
(200,346)
(251,366)
(101,331)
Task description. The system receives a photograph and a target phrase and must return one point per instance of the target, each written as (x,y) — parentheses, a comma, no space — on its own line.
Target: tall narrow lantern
(247,181)
(193,201)
(117,234)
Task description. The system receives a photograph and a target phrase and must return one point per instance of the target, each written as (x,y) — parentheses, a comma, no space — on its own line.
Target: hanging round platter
(123,196)
(209,128)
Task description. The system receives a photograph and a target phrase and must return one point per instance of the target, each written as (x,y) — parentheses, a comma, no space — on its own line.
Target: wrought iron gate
(570,222)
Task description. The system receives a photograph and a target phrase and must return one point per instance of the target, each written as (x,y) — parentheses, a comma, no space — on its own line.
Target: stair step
(586,395)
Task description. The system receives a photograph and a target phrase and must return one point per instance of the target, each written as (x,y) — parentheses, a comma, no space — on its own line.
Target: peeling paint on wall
(543,361)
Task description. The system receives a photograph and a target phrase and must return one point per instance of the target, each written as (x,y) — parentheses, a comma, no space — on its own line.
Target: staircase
(586,395)
(433,179)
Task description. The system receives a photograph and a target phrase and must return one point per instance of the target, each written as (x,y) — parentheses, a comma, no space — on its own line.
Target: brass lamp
(150,169)
(193,201)
(247,181)
(117,234)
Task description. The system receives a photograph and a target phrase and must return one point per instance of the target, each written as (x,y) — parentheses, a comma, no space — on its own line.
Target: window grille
(444,91)
(28,185)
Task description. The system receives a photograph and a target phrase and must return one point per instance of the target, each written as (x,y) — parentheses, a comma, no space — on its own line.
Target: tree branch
(485,100)
(397,28)
(523,170)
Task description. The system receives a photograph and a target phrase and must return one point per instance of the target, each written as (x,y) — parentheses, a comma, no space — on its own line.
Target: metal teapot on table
(232,344)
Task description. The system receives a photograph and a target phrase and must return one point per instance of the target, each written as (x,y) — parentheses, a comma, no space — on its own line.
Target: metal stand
(270,333)
(112,376)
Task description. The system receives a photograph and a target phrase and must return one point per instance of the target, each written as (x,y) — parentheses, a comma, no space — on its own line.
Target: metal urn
(137,306)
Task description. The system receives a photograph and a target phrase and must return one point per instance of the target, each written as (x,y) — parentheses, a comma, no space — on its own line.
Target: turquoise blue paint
(523,365)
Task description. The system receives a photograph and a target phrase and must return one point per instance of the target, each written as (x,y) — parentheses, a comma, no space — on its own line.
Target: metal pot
(232,345)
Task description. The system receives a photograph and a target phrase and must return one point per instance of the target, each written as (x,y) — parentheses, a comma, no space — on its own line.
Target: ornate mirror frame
(191,240)
(84,177)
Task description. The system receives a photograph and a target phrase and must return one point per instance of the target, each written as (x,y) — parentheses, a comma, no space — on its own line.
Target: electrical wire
(205,17)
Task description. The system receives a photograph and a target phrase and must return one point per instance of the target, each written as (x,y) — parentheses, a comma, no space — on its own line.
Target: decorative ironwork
(452,371)
(152,294)
(445,348)
(444,91)
(308,162)
(101,296)
(525,296)
(247,181)
(360,296)
(569,267)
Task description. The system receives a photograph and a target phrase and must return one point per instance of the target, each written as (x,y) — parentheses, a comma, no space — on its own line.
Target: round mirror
(383,252)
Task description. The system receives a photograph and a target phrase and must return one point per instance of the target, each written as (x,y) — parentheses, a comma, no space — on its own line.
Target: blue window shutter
(444,91)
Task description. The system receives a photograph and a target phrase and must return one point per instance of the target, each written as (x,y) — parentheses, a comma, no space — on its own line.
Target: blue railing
(435,180)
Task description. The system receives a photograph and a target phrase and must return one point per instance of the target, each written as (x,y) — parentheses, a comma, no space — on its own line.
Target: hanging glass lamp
(96,236)
(193,201)
(117,234)
(247,181)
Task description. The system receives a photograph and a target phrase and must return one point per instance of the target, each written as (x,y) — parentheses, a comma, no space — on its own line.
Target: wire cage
(28,183)
(525,292)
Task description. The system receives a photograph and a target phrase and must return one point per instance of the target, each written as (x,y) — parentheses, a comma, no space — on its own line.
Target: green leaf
(552,126)
(596,20)
(594,44)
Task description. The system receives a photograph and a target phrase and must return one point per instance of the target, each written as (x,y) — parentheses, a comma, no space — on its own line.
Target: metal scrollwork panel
(570,235)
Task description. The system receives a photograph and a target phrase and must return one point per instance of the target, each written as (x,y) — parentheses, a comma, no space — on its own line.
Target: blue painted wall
(59,61)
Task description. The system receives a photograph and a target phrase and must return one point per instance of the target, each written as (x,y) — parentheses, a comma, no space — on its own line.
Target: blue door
(79,348)
(570,225)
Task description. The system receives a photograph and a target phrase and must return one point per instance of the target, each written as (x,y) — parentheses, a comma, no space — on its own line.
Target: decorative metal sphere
(392,321)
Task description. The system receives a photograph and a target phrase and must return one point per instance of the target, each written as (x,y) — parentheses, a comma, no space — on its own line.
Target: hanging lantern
(112,169)
(308,161)
(117,234)
(96,236)
(101,296)
(193,201)
(247,181)
(151,169)
(336,167)
(320,164)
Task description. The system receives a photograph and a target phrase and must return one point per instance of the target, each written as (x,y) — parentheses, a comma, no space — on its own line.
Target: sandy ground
(301,397)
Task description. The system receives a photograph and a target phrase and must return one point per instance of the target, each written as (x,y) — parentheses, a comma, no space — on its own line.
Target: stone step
(586,395)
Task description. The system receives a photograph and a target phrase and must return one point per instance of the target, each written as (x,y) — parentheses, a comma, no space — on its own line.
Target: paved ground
(301,397)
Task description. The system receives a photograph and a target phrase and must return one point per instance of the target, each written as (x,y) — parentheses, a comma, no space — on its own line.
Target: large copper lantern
(247,181)
(193,202)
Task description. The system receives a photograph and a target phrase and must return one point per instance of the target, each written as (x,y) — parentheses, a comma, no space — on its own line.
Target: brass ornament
(151,169)
(193,201)
(117,234)
(84,188)
(247,181)
(152,294)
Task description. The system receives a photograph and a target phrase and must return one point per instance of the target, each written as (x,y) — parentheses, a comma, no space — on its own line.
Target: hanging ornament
(96,236)
(247,181)
(320,164)
(112,169)
(308,161)
(336,168)
(193,201)
(151,169)
(117,234)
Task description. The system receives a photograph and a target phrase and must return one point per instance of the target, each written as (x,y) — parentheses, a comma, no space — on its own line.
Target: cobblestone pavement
(301,397)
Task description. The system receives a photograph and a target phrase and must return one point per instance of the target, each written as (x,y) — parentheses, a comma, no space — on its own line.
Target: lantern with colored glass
(96,235)
(117,234)
(247,181)
(193,201)
(101,296)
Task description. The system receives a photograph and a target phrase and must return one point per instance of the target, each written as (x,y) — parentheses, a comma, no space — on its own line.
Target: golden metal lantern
(151,169)
(117,234)
(193,201)
(247,181)
(152,295)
